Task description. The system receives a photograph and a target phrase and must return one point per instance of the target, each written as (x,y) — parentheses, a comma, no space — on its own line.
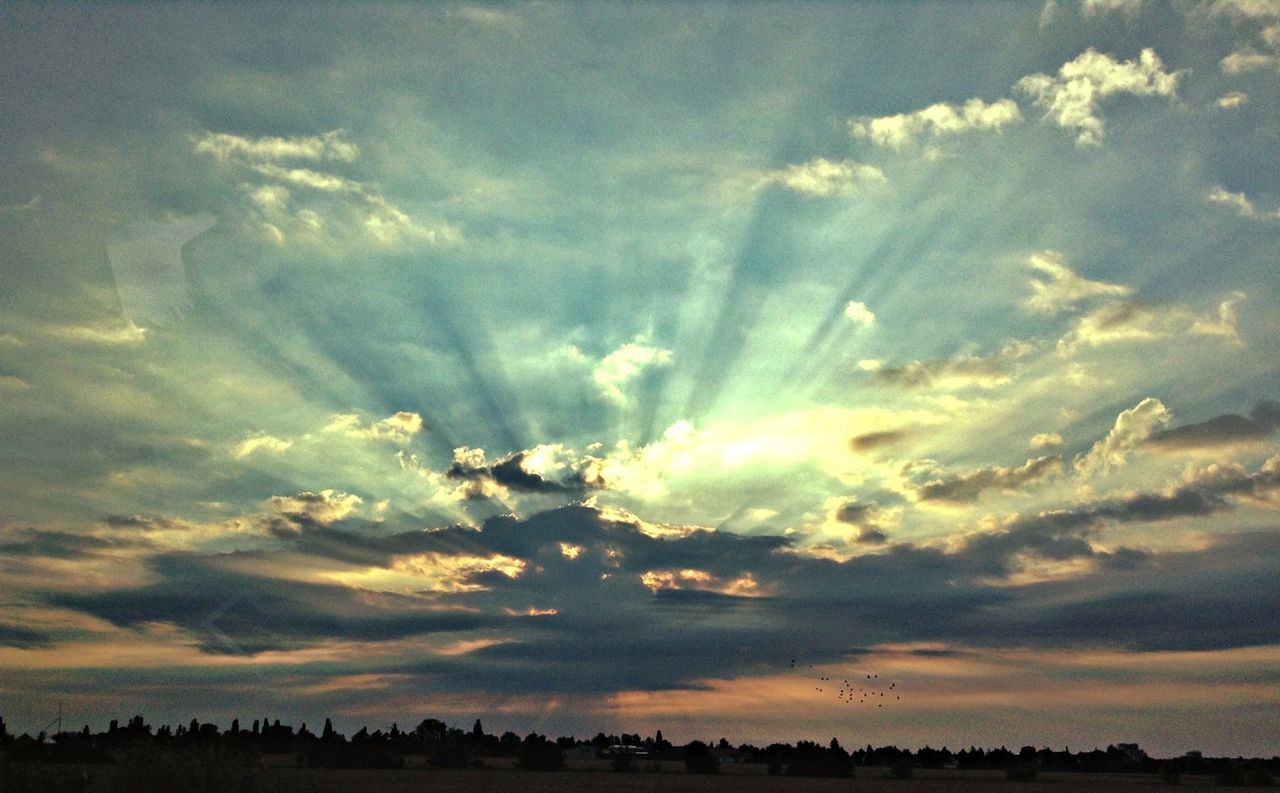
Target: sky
(627,367)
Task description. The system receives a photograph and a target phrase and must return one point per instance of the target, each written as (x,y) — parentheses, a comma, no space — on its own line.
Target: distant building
(583,751)
(1132,752)
(616,749)
(729,755)
(1194,755)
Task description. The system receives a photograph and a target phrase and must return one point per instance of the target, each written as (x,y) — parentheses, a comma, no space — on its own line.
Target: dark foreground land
(665,778)
(748,780)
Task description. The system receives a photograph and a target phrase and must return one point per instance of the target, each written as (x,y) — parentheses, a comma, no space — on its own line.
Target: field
(500,777)
(746,779)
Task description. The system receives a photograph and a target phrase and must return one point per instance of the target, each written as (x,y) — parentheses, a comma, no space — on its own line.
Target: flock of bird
(857,690)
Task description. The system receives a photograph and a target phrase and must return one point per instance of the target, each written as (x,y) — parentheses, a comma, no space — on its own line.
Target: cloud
(1045,440)
(331,145)
(1248,59)
(1225,430)
(870,441)
(259,441)
(522,471)
(328,205)
(1132,428)
(1062,287)
(825,178)
(487,16)
(859,314)
(1073,98)
(867,519)
(1231,99)
(1113,323)
(1243,205)
(1134,321)
(126,333)
(938,120)
(1246,9)
(399,427)
(624,365)
(1204,492)
(323,508)
(968,487)
(966,371)
(1129,8)
(1222,326)
(10,383)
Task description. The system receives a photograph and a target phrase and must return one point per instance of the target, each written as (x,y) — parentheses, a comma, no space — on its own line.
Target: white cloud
(1045,440)
(355,207)
(1222,326)
(306,177)
(1132,427)
(1247,59)
(11,383)
(1232,99)
(110,335)
(1246,9)
(1243,205)
(1072,99)
(1062,287)
(1116,322)
(263,441)
(903,129)
(329,146)
(859,314)
(822,177)
(487,16)
(625,364)
(1048,13)
(1129,8)
(399,427)
(1132,321)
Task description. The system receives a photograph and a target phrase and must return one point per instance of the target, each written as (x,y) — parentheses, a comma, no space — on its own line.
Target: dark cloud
(1224,430)
(750,603)
(968,487)
(510,472)
(868,535)
(864,516)
(1203,495)
(238,612)
(876,440)
(15,636)
(57,545)
(966,370)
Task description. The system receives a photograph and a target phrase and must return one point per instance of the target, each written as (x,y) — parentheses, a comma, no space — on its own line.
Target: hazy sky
(578,367)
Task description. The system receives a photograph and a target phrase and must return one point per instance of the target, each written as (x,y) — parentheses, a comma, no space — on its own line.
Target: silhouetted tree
(698,759)
(539,754)
(5,737)
(811,759)
(430,731)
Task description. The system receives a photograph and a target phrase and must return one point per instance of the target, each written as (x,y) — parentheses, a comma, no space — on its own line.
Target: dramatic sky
(581,367)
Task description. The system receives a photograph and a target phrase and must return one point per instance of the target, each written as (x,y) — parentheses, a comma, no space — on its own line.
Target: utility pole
(57,721)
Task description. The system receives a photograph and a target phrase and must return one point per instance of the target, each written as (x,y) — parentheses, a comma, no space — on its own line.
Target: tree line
(440,745)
